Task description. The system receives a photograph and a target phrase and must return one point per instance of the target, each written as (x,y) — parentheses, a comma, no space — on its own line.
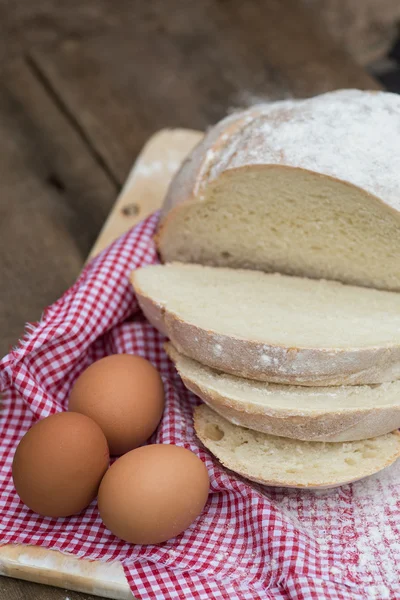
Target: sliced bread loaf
(273,327)
(331,414)
(302,187)
(284,462)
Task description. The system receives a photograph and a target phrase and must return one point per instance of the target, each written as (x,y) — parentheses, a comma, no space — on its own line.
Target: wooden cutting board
(142,194)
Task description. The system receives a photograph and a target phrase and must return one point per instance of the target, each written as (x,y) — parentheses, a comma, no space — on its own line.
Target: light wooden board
(142,194)
(147,182)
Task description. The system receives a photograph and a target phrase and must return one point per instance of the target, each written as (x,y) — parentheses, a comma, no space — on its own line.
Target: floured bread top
(352,135)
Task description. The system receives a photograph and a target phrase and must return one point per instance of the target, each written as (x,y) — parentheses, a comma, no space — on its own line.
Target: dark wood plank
(295,44)
(366,28)
(28,22)
(13,589)
(54,199)
(122,90)
(185,64)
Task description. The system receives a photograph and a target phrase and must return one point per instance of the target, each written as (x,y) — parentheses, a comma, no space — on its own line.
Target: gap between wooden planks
(142,194)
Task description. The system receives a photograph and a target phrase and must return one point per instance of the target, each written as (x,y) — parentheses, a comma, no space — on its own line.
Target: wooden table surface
(84,84)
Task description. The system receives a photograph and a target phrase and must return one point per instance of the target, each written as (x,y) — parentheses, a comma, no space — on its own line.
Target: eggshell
(124,394)
(59,463)
(153,493)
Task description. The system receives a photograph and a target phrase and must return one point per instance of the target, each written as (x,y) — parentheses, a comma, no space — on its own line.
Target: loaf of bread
(330,414)
(285,462)
(273,327)
(301,187)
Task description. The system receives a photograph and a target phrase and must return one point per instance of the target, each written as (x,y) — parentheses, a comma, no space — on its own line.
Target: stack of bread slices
(280,289)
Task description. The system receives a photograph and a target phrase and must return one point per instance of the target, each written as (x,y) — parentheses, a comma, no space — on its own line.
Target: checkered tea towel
(250,542)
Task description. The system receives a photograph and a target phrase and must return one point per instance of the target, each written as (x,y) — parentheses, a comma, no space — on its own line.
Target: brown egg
(124,394)
(153,493)
(59,463)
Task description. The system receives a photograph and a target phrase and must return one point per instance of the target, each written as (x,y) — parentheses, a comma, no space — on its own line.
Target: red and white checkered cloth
(250,542)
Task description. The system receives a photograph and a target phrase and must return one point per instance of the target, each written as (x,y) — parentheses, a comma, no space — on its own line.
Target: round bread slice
(272,327)
(283,462)
(330,414)
(302,187)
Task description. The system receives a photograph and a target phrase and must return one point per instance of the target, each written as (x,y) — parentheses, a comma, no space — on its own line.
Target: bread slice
(301,187)
(284,462)
(330,414)
(273,327)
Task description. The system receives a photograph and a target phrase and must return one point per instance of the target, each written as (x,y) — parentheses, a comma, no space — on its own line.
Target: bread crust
(345,424)
(336,427)
(277,364)
(200,423)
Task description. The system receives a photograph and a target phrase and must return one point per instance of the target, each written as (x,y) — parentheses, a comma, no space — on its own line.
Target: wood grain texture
(145,187)
(54,198)
(184,64)
(365,28)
